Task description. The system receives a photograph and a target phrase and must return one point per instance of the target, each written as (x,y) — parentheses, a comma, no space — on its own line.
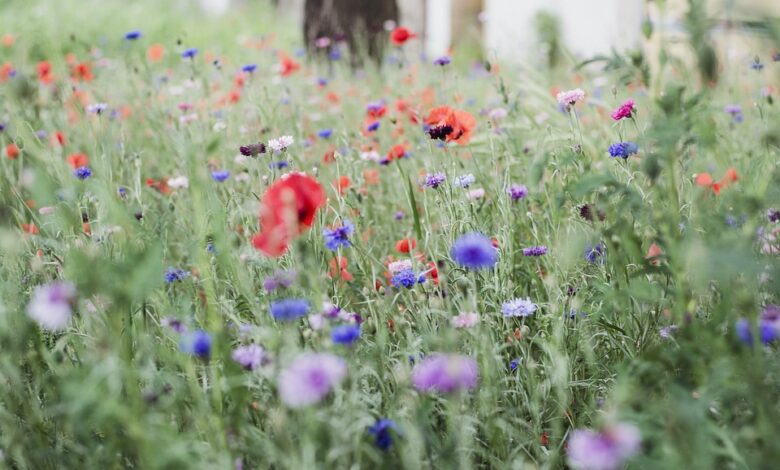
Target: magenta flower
(626,110)
(309,378)
(605,450)
(445,373)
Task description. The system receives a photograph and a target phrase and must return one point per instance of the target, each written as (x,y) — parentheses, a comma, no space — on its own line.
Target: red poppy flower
(44,72)
(32,229)
(77,160)
(287,65)
(155,52)
(398,151)
(342,184)
(58,138)
(5,71)
(287,209)
(460,122)
(81,72)
(405,245)
(400,35)
(705,180)
(11,151)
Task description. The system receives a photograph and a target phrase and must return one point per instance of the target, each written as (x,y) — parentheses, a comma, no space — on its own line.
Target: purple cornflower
(442,61)
(518,308)
(175,274)
(279,279)
(381,432)
(399,215)
(189,53)
(586,212)
(51,305)
(289,309)
(220,175)
(250,357)
(174,324)
(373,126)
(197,343)
(735,111)
(666,332)
(309,378)
(623,150)
(252,150)
(339,236)
(768,326)
(773,215)
(133,35)
(517,192)
(605,450)
(445,373)
(345,334)
(82,172)
(535,251)
(434,180)
(474,251)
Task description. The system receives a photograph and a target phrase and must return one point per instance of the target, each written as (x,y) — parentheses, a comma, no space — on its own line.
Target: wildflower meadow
(223,249)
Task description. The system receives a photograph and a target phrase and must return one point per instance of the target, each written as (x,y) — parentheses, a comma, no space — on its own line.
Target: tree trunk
(360,23)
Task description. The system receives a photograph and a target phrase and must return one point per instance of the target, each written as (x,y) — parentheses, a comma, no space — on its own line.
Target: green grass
(115,391)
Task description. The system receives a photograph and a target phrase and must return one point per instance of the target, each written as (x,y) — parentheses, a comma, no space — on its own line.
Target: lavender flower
(518,308)
(51,305)
(250,357)
(445,373)
(605,450)
(535,251)
(735,111)
(442,61)
(309,378)
(280,279)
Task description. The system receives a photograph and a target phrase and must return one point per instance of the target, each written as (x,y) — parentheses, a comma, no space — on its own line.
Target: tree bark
(360,23)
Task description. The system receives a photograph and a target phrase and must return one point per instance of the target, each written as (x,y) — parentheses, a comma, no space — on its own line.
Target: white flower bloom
(179,182)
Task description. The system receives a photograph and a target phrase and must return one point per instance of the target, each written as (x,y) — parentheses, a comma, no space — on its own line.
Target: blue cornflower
(210,248)
(381,432)
(279,165)
(595,253)
(373,126)
(220,175)
(405,278)
(434,180)
(768,326)
(322,81)
(133,35)
(249,68)
(197,343)
(442,61)
(623,149)
(518,308)
(334,54)
(514,363)
(189,53)
(175,274)
(535,251)
(338,237)
(289,309)
(345,334)
(122,191)
(82,172)
(757,65)
(474,251)
(324,133)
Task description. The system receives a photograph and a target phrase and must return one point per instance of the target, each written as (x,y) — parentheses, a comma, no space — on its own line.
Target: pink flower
(465,320)
(309,378)
(626,110)
(567,99)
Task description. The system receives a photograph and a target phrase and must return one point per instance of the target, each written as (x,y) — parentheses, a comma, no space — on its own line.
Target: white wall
(588,27)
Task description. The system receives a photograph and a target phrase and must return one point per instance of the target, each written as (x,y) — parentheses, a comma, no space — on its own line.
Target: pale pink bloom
(605,450)
(477,193)
(568,98)
(465,320)
(397,266)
